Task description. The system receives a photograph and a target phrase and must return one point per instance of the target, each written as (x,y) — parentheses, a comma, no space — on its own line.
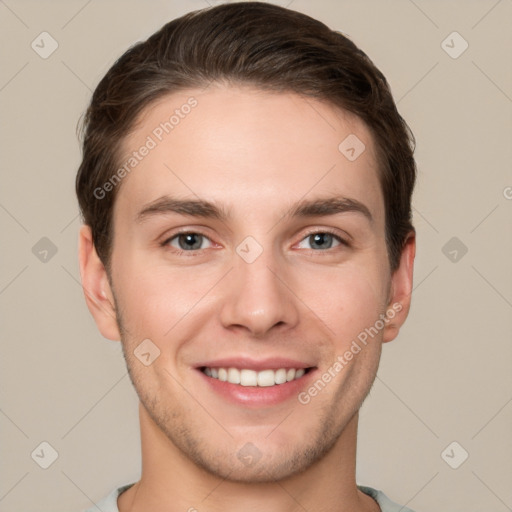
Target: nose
(258,297)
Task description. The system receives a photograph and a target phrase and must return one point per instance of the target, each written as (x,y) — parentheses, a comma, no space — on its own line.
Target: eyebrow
(208,210)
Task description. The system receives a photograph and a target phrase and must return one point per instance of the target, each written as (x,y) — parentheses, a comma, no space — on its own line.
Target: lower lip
(256,395)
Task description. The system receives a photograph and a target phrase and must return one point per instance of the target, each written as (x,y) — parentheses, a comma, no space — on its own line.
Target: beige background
(446,378)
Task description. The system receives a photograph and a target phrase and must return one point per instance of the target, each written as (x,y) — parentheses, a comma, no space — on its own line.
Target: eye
(188,241)
(322,240)
(192,241)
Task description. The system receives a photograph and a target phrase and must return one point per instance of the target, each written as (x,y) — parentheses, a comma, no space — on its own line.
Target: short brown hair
(251,43)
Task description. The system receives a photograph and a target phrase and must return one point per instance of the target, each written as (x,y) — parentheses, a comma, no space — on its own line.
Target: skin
(255,154)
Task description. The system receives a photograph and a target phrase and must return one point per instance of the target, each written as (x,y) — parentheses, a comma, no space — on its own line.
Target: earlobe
(96,287)
(401,290)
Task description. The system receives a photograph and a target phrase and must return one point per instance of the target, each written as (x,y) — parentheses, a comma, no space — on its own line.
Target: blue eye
(187,241)
(193,242)
(322,240)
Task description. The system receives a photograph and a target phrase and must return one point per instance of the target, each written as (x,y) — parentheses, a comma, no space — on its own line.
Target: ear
(400,291)
(98,294)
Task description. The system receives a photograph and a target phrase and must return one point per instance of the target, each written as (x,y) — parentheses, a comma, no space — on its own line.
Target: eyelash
(196,252)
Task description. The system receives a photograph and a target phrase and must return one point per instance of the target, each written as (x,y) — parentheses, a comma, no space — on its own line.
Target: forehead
(247,148)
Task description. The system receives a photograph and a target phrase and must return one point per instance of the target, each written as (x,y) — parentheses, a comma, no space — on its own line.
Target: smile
(247,377)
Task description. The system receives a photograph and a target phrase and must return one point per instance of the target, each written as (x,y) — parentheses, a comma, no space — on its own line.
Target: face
(249,254)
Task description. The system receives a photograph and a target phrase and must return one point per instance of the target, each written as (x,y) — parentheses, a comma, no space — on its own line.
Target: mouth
(251,378)
(256,383)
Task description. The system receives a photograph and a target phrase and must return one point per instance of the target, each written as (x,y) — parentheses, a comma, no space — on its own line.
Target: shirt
(109,503)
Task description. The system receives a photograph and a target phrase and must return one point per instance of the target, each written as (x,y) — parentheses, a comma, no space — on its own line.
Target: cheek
(154,298)
(348,299)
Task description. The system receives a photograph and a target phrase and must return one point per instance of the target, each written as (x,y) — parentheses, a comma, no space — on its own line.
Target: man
(246,192)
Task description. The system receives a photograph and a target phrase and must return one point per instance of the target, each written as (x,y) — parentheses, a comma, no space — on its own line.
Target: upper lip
(253,364)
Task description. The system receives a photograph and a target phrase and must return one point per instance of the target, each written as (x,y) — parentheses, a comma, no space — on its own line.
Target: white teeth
(280,376)
(299,373)
(233,376)
(248,378)
(264,378)
(290,374)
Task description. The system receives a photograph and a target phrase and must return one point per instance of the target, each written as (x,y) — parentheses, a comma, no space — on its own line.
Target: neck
(171,482)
